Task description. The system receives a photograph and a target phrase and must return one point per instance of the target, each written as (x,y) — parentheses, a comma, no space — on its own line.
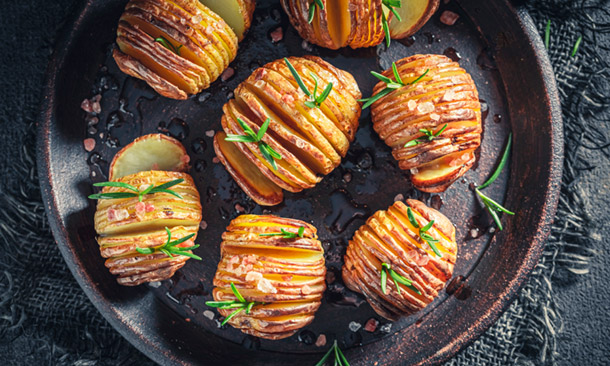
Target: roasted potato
(179,47)
(310,140)
(390,242)
(283,275)
(444,103)
(126,226)
(356,23)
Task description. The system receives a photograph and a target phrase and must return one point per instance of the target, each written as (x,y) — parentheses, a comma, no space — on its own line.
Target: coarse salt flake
(426,107)
(412,104)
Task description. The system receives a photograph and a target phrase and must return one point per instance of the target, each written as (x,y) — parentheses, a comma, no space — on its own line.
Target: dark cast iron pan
(496,42)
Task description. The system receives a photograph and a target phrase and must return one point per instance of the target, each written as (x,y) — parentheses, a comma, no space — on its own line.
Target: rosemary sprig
(287,234)
(167,44)
(429,135)
(340,359)
(312,9)
(171,247)
(423,232)
(239,305)
(576,45)
(492,206)
(316,100)
(391,5)
(386,270)
(268,152)
(152,189)
(547,34)
(391,85)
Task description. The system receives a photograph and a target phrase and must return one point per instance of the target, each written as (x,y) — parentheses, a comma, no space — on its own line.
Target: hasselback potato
(399,251)
(134,229)
(277,265)
(432,125)
(179,47)
(356,23)
(308,140)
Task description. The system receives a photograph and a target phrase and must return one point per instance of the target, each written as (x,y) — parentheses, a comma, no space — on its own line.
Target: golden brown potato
(178,47)
(356,23)
(237,13)
(283,276)
(132,231)
(309,140)
(390,240)
(444,103)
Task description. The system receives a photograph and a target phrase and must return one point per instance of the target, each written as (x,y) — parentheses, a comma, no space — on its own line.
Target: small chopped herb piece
(170,247)
(239,305)
(167,44)
(391,5)
(316,100)
(386,270)
(492,206)
(268,152)
(429,135)
(576,45)
(547,34)
(312,9)
(152,189)
(340,359)
(423,232)
(391,85)
(287,234)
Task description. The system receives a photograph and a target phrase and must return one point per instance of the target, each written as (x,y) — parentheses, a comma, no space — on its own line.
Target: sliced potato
(413,15)
(149,152)
(284,276)
(237,13)
(390,237)
(446,102)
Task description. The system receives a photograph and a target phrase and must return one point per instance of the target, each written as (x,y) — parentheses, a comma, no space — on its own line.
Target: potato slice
(284,276)
(237,13)
(149,152)
(444,99)
(413,14)
(390,237)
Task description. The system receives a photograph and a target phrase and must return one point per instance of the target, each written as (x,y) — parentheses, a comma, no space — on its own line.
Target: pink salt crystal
(306,290)
(215,160)
(422,260)
(264,285)
(239,208)
(150,207)
(321,341)
(203,225)
(371,325)
(122,214)
(399,197)
(412,255)
(140,207)
(287,277)
(234,260)
(227,74)
(288,99)
(89,144)
(449,17)
(86,106)
(412,104)
(253,276)
(185,159)
(111,214)
(259,74)
(435,116)
(209,133)
(277,35)
(449,95)
(426,107)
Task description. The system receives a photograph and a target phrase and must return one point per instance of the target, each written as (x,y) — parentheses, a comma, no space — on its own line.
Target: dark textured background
(568,323)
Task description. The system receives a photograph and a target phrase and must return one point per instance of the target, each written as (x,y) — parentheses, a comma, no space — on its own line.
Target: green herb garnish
(391,85)
(340,359)
(391,5)
(423,232)
(576,45)
(312,9)
(287,234)
(492,206)
(167,44)
(239,305)
(268,152)
(316,100)
(547,34)
(171,247)
(152,189)
(386,270)
(429,135)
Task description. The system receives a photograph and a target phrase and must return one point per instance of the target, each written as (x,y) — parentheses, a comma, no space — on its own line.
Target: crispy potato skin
(287,275)
(123,225)
(311,141)
(203,45)
(446,95)
(389,237)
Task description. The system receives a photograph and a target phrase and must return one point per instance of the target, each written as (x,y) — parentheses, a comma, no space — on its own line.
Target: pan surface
(495,42)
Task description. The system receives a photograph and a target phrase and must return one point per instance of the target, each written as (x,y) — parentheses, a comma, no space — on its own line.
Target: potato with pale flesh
(401,258)
(356,23)
(278,265)
(179,47)
(310,140)
(133,232)
(432,125)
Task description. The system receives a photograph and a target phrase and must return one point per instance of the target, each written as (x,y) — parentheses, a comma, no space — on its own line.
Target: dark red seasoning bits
(371,325)
(277,35)
(227,74)
(89,144)
(449,18)
(321,341)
